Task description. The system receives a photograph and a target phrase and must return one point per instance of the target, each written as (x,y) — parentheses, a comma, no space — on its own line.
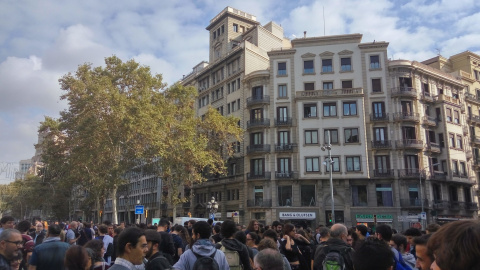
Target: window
(235,27)
(284,195)
(353,164)
(376,85)
(332,135)
(256,138)
(311,137)
(347,84)
(384,195)
(451,140)
(378,110)
(256,167)
(449,115)
(282,68)
(327,65)
(214,34)
(453,193)
(382,165)
(282,114)
(346,64)
(308,67)
(459,143)
(258,190)
(309,86)
(350,108)
(284,166)
(351,135)
(223,29)
(374,61)
(413,195)
(311,164)
(309,110)
(463,168)
(282,90)
(307,195)
(456,117)
(329,109)
(380,134)
(327,85)
(283,138)
(335,164)
(359,195)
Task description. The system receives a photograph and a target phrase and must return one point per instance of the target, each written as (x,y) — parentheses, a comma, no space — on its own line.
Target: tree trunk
(114,205)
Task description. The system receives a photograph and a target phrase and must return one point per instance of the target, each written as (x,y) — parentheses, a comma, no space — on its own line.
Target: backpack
(233,258)
(334,258)
(205,262)
(400,263)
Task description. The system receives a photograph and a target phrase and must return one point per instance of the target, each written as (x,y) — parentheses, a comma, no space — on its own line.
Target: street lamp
(421,192)
(212,207)
(329,162)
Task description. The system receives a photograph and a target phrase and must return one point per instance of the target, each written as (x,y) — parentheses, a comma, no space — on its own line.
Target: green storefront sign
(371,216)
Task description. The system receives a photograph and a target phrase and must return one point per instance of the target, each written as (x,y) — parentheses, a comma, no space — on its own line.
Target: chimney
(304,34)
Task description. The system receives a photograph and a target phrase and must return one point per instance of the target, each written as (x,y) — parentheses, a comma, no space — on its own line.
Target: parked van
(182,220)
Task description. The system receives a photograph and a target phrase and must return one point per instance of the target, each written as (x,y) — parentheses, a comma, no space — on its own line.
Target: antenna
(323,20)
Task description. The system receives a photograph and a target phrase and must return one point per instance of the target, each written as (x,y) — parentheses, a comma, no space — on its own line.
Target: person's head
(277,226)
(7,222)
(268,259)
(339,231)
(110,229)
(132,245)
(411,233)
(228,229)
(267,243)
(253,226)
(73,225)
(163,224)
(191,223)
(38,227)
(289,229)
(210,221)
(153,241)
(102,229)
(23,226)
(201,230)
(54,230)
(431,228)
(11,243)
(97,247)
(399,242)
(117,231)
(241,237)
(384,232)
(252,239)
(217,229)
(361,230)
(270,234)
(324,233)
(77,258)
(373,254)
(351,237)
(456,245)
(122,225)
(424,255)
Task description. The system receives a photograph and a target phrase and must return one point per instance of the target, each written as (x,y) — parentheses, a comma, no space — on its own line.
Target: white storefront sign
(297,215)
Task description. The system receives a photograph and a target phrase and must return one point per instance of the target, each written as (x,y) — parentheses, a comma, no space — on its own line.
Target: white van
(182,220)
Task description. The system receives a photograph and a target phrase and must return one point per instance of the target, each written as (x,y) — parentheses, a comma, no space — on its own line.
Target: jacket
(333,243)
(4,263)
(38,239)
(234,244)
(50,254)
(157,262)
(202,247)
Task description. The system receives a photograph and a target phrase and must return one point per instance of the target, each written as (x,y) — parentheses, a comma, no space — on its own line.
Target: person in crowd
(110,229)
(277,226)
(289,247)
(373,254)
(77,258)
(107,243)
(7,222)
(304,245)
(322,235)
(72,235)
(116,232)
(51,253)
(167,247)
(337,241)
(431,228)
(201,247)
(97,251)
(229,243)
(269,243)
(352,237)
(85,234)
(16,261)
(28,244)
(456,245)
(424,255)
(39,234)
(11,243)
(361,231)
(411,233)
(156,260)
(253,226)
(271,234)
(242,238)
(399,242)
(132,249)
(181,239)
(268,259)
(384,232)
(217,237)
(252,241)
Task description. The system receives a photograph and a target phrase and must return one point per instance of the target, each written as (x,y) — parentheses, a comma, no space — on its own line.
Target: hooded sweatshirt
(409,259)
(234,244)
(202,247)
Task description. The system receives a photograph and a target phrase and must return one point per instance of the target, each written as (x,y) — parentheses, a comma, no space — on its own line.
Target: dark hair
(269,259)
(76,258)
(103,229)
(433,227)
(210,221)
(373,254)
(153,236)
(203,229)
(412,232)
(129,235)
(399,240)
(255,237)
(183,233)
(54,230)
(266,243)
(117,230)
(6,219)
(270,234)
(24,226)
(192,221)
(362,229)
(96,246)
(456,245)
(385,231)
(240,236)
(276,223)
(228,228)
(287,228)
(422,241)
(164,222)
(217,228)
(251,227)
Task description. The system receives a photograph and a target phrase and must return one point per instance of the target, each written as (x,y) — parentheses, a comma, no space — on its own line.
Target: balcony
(469,154)
(438,176)
(456,205)
(261,122)
(384,173)
(440,205)
(427,97)
(379,117)
(340,93)
(444,98)
(286,175)
(259,203)
(475,119)
(475,140)
(285,147)
(406,117)
(283,122)
(410,144)
(259,176)
(401,91)
(433,148)
(387,144)
(472,98)
(471,206)
(258,100)
(411,173)
(413,203)
(258,148)
(429,121)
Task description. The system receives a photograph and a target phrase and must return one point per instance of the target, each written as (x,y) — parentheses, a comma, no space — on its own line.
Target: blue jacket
(202,247)
(50,254)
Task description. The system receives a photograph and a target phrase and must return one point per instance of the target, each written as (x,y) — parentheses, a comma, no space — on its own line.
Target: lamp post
(212,207)
(139,216)
(328,147)
(420,172)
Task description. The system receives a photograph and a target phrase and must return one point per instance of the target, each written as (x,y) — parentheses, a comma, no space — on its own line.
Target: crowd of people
(208,245)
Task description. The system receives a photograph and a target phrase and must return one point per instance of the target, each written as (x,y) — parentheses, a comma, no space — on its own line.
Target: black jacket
(167,247)
(157,262)
(234,244)
(336,244)
(39,239)
(4,263)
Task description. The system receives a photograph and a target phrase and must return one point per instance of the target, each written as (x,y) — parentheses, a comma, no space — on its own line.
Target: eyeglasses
(18,243)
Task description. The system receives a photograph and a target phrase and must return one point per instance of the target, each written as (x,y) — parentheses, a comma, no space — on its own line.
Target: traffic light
(146,213)
(330,217)
(189,214)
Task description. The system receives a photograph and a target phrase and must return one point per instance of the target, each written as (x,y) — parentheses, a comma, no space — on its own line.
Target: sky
(42,40)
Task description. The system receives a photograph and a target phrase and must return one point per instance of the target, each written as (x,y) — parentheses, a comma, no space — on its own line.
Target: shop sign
(372,217)
(297,215)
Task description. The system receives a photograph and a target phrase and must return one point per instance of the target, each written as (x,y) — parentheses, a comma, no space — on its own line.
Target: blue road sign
(139,209)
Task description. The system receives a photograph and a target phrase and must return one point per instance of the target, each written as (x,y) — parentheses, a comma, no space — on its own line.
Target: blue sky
(43,40)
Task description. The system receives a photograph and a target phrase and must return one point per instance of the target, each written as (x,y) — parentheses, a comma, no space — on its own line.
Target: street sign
(423,215)
(212,216)
(139,209)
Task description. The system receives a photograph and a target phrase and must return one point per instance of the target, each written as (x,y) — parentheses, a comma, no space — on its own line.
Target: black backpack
(205,262)
(334,258)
